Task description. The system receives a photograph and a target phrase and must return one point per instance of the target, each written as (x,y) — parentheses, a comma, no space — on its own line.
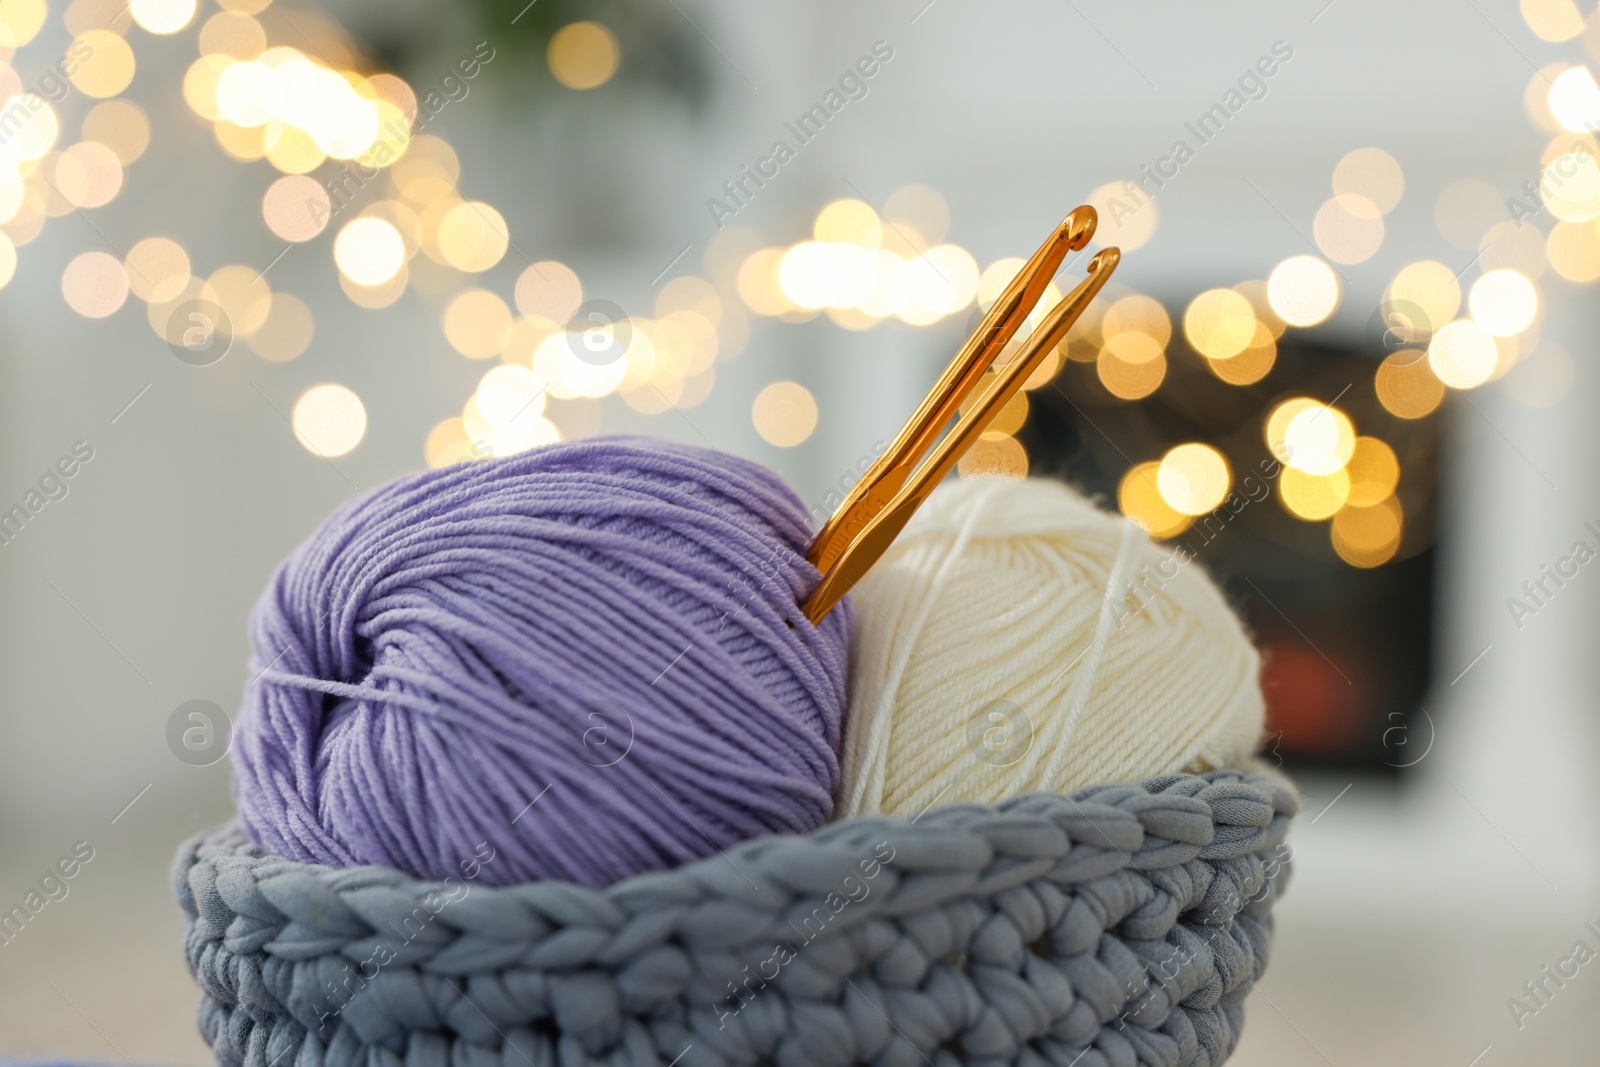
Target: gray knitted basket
(1121,925)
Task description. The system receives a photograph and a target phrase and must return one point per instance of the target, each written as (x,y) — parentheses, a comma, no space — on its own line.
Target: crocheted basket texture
(1121,925)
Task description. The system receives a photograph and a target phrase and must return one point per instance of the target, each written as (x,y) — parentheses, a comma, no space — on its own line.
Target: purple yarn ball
(590,656)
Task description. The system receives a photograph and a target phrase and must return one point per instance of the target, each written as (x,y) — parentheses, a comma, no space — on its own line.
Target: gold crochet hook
(880,505)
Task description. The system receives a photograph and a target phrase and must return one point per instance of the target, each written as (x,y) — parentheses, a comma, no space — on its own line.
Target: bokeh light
(1367,536)
(162,16)
(994,457)
(108,68)
(247,94)
(1406,385)
(549,290)
(244,143)
(447,443)
(20,21)
(806,275)
(94,284)
(33,128)
(861,267)
(1276,427)
(1552,20)
(758,283)
(377,296)
(231,34)
(1219,323)
(296,208)
(1251,365)
(849,220)
(1319,440)
(1462,354)
(1139,498)
(583,55)
(1193,478)
(1503,302)
(290,149)
(344,126)
(784,414)
(121,126)
(517,436)
(1132,379)
(1277,424)
(369,251)
(1372,174)
(477,323)
(473,236)
(1573,249)
(1422,297)
(329,420)
(557,361)
(399,214)
(1374,472)
(394,90)
(158,269)
(1303,290)
(1132,346)
(921,290)
(1128,216)
(1313,497)
(200,86)
(88,174)
(1575,100)
(1570,186)
(1348,228)
(244,295)
(1536,96)
(44,191)
(1140,314)
(510,394)
(428,172)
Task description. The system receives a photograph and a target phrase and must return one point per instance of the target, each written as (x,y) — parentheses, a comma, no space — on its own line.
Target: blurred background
(258,257)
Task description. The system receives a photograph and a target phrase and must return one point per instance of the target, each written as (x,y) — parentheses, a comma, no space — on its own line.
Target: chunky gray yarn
(1122,925)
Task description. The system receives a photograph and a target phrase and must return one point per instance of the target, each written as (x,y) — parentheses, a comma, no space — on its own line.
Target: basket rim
(1118,816)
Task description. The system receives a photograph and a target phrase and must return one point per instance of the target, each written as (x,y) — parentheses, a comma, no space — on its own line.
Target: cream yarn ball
(1017,639)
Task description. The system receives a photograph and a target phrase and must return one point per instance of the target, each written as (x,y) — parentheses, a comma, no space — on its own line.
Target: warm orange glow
(1407,386)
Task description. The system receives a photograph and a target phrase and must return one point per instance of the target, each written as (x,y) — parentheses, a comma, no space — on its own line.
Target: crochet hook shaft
(880,529)
(1005,316)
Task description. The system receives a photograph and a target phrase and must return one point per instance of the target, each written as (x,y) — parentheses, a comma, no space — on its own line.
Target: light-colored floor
(99,977)
(1389,993)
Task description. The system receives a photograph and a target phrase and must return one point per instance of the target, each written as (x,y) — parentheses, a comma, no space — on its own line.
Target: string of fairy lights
(355,172)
